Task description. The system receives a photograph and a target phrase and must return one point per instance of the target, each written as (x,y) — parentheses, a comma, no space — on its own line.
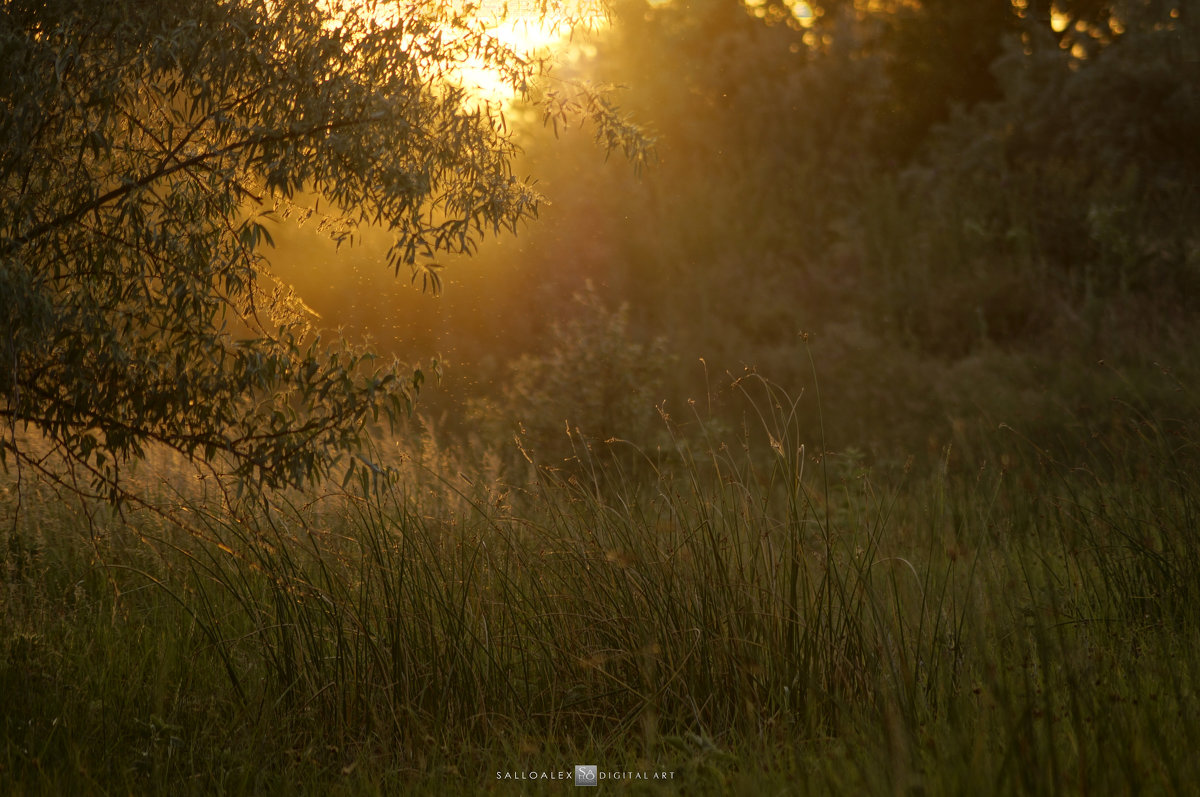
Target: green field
(753,618)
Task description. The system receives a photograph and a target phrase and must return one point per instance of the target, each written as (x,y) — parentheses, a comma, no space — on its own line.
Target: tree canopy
(143,149)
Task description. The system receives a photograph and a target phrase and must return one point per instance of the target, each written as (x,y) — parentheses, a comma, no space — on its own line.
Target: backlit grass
(752,615)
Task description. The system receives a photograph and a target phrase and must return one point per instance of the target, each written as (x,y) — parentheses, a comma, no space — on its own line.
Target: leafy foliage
(144,148)
(1084,161)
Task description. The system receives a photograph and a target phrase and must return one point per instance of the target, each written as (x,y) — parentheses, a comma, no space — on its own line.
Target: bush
(594,382)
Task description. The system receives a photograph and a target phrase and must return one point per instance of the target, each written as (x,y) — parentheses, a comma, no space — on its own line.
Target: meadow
(751,615)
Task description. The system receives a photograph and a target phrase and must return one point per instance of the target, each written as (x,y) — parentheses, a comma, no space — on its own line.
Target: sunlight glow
(534,30)
(535,33)
(801,11)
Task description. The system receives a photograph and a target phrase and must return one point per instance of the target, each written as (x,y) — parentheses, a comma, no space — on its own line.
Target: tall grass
(751,613)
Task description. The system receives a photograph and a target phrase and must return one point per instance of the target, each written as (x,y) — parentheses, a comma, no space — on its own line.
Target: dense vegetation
(850,447)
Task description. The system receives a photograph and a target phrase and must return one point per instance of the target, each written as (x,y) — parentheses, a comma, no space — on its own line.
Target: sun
(534,33)
(538,31)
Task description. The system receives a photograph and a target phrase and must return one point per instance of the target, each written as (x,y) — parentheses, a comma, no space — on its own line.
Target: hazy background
(978,213)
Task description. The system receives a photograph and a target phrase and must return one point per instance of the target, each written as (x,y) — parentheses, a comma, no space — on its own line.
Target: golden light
(535,33)
(801,12)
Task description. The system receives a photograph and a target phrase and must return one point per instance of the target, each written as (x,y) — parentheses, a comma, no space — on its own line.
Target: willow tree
(144,149)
